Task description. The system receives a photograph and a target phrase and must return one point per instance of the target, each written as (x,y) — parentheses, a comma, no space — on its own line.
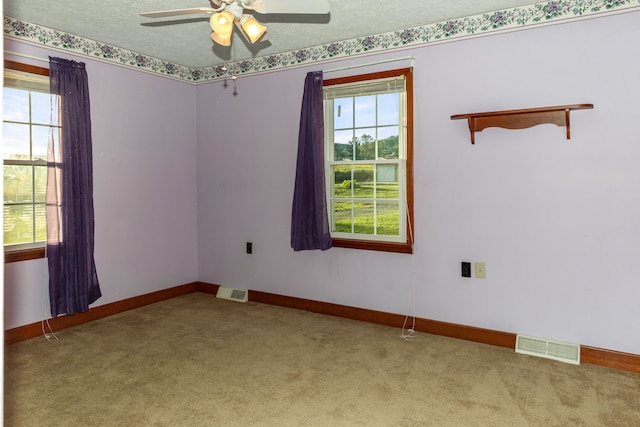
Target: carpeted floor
(199,361)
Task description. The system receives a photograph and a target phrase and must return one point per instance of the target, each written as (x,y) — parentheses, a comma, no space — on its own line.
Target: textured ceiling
(185,40)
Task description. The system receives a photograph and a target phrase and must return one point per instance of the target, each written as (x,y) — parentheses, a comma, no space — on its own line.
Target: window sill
(404,248)
(23,254)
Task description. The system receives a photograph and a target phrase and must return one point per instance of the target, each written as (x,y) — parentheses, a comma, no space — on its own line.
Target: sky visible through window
(16,128)
(360,115)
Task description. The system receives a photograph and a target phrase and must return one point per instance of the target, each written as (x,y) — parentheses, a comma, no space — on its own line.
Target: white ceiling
(186,40)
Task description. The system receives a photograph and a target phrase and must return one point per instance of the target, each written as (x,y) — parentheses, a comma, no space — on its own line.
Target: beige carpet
(199,361)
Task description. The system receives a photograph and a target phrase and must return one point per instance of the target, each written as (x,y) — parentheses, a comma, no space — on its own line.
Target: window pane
(365,153)
(388,109)
(55,117)
(365,110)
(41,107)
(57,147)
(18,224)
(363,181)
(343,113)
(363,218)
(18,184)
(342,180)
(366,144)
(343,145)
(28,113)
(15,140)
(15,105)
(388,217)
(41,223)
(40,184)
(341,214)
(387,179)
(39,141)
(388,142)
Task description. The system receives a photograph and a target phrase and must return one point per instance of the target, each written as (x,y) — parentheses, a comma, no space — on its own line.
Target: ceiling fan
(225,13)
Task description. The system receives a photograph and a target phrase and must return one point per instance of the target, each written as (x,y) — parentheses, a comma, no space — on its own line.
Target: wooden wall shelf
(520,119)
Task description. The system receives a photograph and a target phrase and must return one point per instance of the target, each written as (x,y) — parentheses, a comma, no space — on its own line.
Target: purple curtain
(309,223)
(73,282)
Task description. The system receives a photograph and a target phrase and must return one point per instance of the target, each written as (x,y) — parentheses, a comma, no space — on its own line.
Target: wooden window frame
(407,246)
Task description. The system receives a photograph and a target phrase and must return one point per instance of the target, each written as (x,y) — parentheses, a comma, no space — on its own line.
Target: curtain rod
(24,55)
(348,67)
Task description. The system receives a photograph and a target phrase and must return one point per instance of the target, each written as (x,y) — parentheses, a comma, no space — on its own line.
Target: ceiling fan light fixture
(221,39)
(226,13)
(222,23)
(253,29)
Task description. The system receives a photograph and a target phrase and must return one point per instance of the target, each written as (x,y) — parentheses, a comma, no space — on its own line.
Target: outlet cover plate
(481,270)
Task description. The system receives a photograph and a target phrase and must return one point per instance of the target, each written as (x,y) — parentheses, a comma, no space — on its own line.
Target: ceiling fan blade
(295,6)
(178,12)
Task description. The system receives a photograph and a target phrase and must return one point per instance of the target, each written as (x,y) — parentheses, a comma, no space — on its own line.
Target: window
(368,157)
(29,119)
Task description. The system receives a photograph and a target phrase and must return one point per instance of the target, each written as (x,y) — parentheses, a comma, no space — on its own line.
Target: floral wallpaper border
(472,26)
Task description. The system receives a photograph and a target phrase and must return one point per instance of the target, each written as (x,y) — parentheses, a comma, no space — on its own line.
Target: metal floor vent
(239,295)
(556,350)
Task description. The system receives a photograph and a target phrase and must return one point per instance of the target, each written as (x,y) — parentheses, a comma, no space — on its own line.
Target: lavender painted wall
(556,221)
(144,148)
